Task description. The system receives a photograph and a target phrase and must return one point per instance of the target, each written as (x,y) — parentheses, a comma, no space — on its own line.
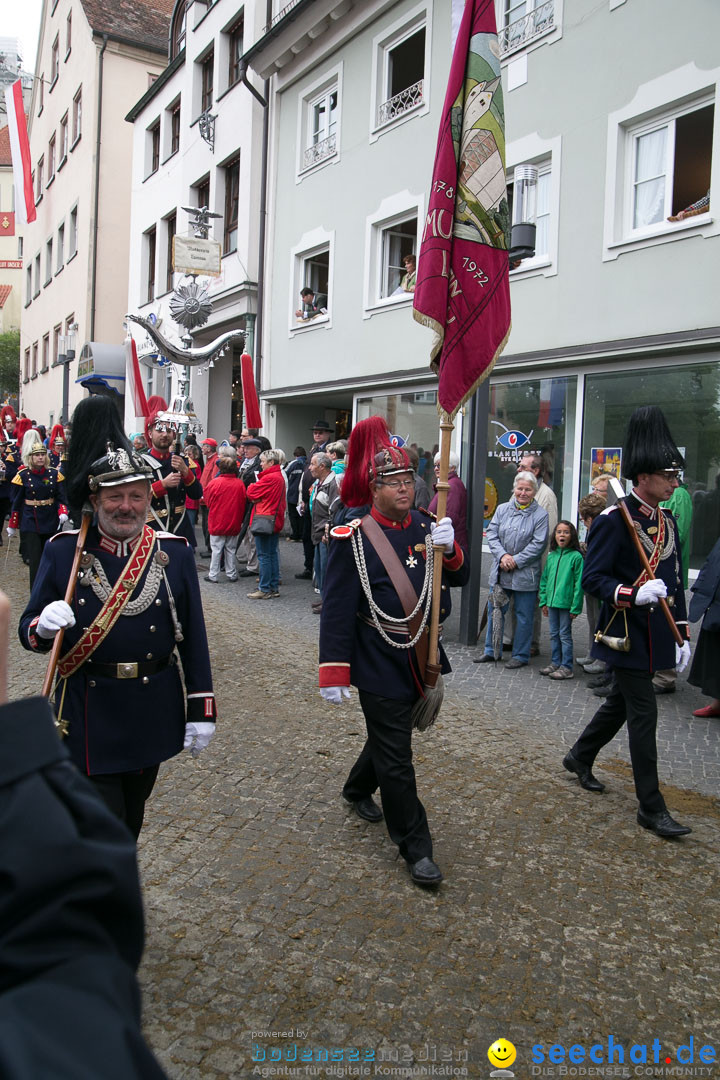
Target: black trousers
(32,548)
(308,546)
(295,522)
(386,762)
(126,794)
(632,701)
(204,526)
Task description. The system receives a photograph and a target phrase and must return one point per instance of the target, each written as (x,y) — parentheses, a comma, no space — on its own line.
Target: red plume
(58,432)
(23,425)
(155,405)
(367,438)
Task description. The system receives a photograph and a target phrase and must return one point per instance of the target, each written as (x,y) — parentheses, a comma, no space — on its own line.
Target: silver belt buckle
(127,671)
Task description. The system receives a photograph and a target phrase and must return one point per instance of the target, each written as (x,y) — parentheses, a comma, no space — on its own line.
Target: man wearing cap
(249,469)
(174,478)
(38,502)
(57,447)
(365,632)
(136,602)
(634,637)
(321,432)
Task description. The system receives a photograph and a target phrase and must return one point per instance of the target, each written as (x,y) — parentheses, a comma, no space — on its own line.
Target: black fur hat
(649,446)
(95,422)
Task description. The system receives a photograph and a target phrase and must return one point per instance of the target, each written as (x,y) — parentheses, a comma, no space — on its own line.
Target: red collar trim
(645,508)
(157,454)
(121,548)
(388,523)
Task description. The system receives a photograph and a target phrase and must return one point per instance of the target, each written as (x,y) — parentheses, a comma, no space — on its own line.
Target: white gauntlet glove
(651,592)
(334,694)
(682,655)
(62,518)
(443,534)
(197,736)
(11,532)
(54,617)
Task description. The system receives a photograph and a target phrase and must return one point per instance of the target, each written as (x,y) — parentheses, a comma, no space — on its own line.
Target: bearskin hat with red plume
(95,423)
(370,454)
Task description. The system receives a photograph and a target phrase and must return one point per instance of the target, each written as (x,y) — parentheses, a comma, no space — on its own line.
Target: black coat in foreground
(71,920)
(613,572)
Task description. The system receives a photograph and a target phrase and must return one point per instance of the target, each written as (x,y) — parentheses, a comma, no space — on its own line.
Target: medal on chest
(411,561)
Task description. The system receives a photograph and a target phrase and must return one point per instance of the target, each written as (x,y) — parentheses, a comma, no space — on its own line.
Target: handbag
(263,525)
(619,644)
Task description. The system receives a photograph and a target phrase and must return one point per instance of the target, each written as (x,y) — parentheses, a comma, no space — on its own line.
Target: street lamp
(67,355)
(522,236)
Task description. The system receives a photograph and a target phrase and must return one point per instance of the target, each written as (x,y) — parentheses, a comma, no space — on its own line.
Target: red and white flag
(20,151)
(134,383)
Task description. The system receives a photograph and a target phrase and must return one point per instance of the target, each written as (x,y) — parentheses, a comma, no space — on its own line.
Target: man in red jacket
(225,498)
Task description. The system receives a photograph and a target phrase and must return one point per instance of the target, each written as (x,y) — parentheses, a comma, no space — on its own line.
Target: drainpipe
(263,100)
(97,189)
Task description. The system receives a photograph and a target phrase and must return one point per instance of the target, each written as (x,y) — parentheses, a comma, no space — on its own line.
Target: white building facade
(92,63)
(618,306)
(197,135)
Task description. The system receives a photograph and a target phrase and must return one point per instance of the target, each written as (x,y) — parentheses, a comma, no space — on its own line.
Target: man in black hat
(367,638)
(634,637)
(136,602)
(321,432)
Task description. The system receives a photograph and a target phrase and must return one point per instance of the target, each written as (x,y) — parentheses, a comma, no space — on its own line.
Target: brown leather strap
(402,585)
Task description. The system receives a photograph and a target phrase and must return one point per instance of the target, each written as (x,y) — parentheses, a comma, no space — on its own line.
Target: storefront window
(690,398)
(533,416)
(414,417)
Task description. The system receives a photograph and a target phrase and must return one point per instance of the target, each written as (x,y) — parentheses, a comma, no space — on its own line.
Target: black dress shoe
(248,573)
(662,824)
(583,773)
(425,872)
(366,808)
(305,576)
(601,680)
(484,659)
(663,689)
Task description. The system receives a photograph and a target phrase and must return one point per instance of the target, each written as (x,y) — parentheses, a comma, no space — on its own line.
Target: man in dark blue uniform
(365,639)
(614,572)
(137,600)
(39,501)
(173,478)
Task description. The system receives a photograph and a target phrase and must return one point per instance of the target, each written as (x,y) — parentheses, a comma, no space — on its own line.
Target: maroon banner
(462,290)
(7,223)
(250,399)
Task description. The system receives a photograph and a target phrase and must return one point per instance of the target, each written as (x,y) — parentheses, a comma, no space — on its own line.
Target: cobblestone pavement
(281,927)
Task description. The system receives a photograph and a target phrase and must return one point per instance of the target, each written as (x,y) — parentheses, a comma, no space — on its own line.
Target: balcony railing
(401,103)
(319,151)
(281,15)
(533,25)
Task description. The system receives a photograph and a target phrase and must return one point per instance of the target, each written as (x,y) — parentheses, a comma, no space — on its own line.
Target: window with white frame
(669,163)
(319,121)
(523,21)
(312,270)
(401,59)
(391,248)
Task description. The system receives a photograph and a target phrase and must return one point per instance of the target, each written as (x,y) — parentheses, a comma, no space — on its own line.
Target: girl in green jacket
(561,597)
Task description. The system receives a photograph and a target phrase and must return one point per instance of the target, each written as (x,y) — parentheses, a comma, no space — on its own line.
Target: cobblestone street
(281,927)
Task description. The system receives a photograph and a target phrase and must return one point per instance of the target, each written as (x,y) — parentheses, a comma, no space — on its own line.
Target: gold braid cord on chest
(92,575)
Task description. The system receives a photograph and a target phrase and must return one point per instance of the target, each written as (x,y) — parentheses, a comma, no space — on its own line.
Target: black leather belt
(128,669)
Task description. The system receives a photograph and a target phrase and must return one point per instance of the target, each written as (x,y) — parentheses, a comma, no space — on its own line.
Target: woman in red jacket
(266,522)
(225,499)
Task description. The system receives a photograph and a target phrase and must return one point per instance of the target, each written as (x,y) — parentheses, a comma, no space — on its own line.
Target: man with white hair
(456,508)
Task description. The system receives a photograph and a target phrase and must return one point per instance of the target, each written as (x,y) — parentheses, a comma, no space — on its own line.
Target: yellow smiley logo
(502,1053)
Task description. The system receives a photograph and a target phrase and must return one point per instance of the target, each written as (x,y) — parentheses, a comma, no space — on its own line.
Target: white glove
(62,518)
(443,534)
(197,736)
(651,592)
(334,694)
(11,532)
(54,617)
(682,655)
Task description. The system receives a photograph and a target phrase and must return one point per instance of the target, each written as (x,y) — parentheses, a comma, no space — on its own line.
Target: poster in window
(605,459)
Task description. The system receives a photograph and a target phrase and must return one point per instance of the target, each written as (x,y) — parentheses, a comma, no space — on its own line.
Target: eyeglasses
(669,474)
(396,484)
